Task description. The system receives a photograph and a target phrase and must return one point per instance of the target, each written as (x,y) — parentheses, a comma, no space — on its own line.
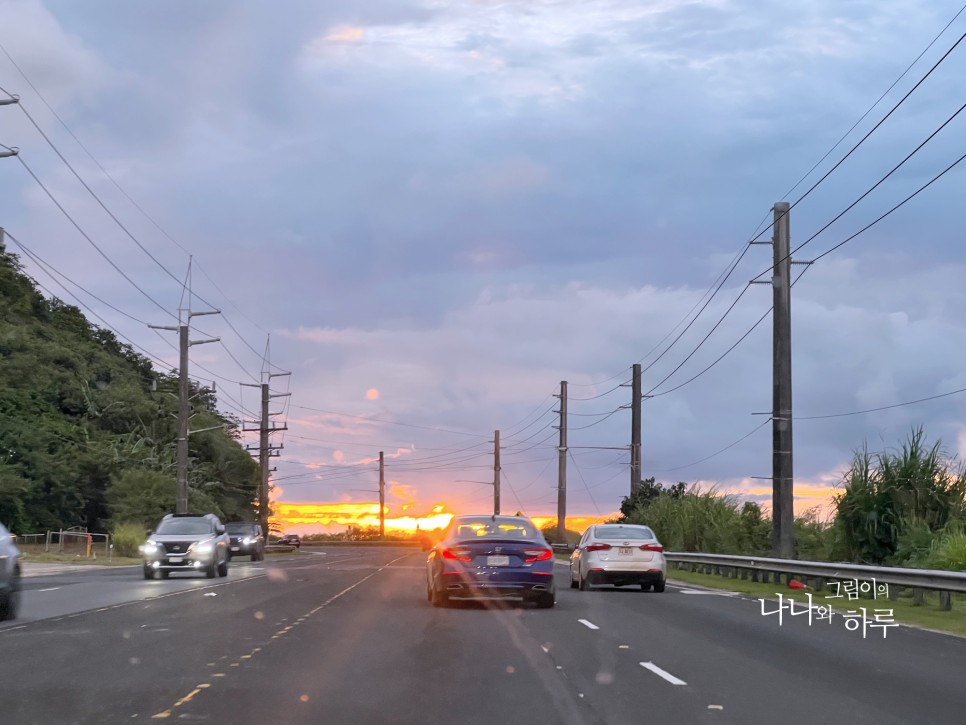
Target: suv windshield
(242,529)
(184,526)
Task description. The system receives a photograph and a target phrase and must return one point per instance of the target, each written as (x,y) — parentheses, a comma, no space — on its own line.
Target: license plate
(498,561)
(175,559)
(234,548)
(624,550)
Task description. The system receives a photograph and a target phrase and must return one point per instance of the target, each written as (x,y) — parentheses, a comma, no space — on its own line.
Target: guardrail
(764,569)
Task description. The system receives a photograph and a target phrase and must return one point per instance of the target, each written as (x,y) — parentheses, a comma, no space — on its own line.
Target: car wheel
(10,604)
(573,582)
(148,573)
(584,586)
(659,586)
(211,570)
(645,587)
(545,600)
(223,568)
(439,598)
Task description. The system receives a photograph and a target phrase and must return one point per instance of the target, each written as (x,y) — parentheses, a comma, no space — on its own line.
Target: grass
(55,558)
(928,615)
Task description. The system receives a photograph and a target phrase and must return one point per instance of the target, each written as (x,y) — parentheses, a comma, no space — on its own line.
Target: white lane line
(662,673)
(49,589)
(588,625)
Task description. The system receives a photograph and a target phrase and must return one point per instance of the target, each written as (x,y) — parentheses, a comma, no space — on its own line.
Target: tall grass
(127,538)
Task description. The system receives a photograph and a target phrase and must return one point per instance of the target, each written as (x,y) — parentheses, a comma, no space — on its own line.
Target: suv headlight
(248,540)
(149,548)
(203,547)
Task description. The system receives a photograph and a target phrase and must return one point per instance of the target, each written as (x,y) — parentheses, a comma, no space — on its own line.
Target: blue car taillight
(537,555)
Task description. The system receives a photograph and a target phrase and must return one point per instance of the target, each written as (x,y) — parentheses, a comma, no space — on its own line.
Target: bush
(127,538)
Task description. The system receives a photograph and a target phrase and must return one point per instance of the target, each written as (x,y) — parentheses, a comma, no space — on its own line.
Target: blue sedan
(491,557)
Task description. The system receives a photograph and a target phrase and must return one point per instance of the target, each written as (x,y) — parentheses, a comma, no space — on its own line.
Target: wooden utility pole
(382,495)
(184,402)
(496,472)
(783,512)
(266,451)
(562,468)
(184,411)
(635,428)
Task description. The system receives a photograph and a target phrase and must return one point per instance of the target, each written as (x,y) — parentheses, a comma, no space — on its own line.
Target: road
(347,636)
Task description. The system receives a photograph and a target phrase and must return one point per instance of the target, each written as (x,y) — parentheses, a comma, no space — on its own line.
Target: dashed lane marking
(588,625)
(664,674)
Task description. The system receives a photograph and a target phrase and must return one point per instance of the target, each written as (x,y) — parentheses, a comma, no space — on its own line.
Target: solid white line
(51,589)
(588,625)
(662,673)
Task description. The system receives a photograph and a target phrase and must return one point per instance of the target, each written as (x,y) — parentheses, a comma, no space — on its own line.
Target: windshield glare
(623,532)
(489,529)
(184,526)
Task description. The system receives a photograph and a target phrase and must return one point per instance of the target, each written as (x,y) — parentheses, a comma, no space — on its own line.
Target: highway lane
(350,638)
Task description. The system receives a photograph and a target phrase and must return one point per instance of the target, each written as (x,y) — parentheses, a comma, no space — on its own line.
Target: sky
(431,212)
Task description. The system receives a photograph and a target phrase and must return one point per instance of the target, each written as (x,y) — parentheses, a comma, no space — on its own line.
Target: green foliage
(127,538)
(695,520)
(647,491)
(77,412)
(892,499)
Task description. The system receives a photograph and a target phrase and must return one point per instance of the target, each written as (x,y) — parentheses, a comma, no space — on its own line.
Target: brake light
(598,547)
(457,554)
(652,547)
(537,554)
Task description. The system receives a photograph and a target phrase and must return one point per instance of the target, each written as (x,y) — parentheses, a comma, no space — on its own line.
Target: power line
(586,488)
(877,102)
(390,422)
(718,453)
(601,395)
(90,241)
(597,422)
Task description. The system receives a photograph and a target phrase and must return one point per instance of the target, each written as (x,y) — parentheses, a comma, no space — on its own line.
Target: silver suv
(9,576)
(186,542)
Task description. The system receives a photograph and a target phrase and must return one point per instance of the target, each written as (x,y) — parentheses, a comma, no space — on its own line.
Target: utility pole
(635,429)
(562,468)
(496,472)
(266,451)
(783,493)
(382,495)
(184,403)
(782,478)
(7,152)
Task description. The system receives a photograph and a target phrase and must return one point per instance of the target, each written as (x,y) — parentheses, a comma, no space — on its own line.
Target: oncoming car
(186,542)
(482,556)
(246,540)
(9,576)
(618,554)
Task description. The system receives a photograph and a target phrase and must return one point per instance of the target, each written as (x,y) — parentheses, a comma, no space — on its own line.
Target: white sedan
(618,554)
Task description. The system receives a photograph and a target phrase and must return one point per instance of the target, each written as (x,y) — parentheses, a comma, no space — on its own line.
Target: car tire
(583,584)
(211,570)
(10,603)
(439,598)
(645,587)
(545,600)
(223,568)
(659,586)
(148,573)
(573,582)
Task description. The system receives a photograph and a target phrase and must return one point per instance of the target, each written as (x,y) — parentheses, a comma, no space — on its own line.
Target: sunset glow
(309,518)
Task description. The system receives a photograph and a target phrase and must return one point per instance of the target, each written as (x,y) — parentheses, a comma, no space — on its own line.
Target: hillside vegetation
(88,428)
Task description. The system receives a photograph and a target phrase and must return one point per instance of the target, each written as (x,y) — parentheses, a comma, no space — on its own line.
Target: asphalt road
(347,636)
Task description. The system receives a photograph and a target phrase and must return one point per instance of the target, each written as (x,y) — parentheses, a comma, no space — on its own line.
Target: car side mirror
(219,529)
